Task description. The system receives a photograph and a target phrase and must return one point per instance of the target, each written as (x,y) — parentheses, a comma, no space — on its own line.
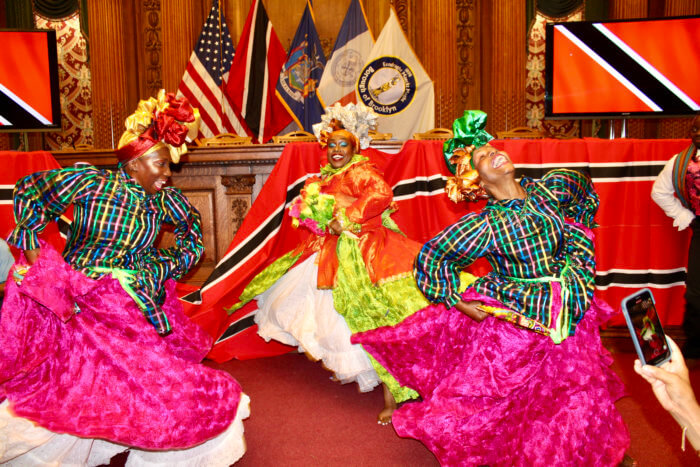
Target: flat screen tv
(620,69)
(29,91)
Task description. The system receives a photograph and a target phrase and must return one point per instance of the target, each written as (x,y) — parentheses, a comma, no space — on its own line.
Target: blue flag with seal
(302,73)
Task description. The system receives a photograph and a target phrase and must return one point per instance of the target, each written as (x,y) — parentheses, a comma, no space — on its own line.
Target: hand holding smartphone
(645,328)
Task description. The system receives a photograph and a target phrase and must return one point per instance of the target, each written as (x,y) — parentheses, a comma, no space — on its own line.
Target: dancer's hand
(471,309)
(32,255)
(335,227)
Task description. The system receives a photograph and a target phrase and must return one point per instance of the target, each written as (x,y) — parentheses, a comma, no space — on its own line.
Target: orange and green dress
(332,286)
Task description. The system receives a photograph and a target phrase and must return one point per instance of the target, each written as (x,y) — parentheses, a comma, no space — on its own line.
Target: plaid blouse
(529,245)
(115,223)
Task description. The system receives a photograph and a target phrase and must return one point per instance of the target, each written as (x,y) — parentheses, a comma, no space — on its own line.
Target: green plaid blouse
(115,224)
(529,245)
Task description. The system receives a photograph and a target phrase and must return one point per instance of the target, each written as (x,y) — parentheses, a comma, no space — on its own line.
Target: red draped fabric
(13,166)
(636,243)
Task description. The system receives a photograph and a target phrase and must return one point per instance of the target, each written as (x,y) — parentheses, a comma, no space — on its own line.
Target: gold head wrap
(165,121)
(464,186)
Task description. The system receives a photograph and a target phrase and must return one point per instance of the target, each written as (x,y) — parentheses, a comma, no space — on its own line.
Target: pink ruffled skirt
(103,372)
(496,394)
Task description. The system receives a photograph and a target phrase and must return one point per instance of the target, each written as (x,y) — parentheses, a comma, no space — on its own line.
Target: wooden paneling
(475,52)
(108,50)
(438,54)
(503,63)
(468,50)
(627,9)
(182,21)
(681,7)
(285,16)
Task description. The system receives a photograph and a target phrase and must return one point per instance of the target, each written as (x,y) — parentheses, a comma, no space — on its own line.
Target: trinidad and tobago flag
(626,67)
(29,81)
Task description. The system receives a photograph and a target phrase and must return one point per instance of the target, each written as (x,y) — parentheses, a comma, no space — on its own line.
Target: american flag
(208,67)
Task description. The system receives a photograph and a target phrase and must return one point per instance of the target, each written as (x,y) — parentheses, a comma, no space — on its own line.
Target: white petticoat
(24,443)
(295,312)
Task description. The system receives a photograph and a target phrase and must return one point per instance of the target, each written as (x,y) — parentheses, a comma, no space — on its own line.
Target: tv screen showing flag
(29,91)
(619,69)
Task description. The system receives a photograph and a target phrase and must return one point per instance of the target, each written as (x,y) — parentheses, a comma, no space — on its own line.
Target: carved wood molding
(238,184)
(403,12)
(153,45)
(239,209)
(465,48)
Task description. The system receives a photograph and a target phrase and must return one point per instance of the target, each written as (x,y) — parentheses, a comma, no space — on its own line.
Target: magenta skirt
(496,394)
(104,372)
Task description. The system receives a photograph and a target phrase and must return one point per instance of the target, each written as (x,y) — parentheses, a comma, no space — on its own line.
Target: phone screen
(647,327)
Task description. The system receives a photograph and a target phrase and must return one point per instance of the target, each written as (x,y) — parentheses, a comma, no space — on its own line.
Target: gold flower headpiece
(165,121)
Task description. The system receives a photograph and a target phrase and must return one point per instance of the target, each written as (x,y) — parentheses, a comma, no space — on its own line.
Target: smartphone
(645,328)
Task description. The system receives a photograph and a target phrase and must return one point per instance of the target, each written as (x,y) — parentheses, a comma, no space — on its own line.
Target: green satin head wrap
(468,130)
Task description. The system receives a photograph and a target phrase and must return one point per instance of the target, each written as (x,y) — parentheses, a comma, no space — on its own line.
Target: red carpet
(299,417)
(656,437)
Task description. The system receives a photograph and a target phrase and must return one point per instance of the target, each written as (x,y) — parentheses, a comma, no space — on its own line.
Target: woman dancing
(96,356)
(353,274)
(512,371)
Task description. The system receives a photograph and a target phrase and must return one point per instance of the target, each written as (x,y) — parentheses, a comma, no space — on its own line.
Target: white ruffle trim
(24,443)
(295,312)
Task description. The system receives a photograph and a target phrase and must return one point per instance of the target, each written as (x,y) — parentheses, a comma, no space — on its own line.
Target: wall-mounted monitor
(620,69)
(29,91)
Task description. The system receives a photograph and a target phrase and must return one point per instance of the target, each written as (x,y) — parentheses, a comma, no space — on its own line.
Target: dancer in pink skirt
(96,355)
(511,371)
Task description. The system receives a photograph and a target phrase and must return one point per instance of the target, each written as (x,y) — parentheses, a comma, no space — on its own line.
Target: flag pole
(221,61)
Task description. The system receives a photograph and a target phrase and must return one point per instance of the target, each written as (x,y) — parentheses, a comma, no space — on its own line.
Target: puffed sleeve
(576,195)
(188,246)
(664,194)
(42,197)
(374,194)
(440,261)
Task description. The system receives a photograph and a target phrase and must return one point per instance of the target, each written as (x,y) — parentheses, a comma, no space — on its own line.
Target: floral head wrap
(165,121)
(356,119)
(469,134)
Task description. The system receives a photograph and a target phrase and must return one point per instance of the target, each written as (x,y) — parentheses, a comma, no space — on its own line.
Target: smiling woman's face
(340,150)
(151,171)
(491,163)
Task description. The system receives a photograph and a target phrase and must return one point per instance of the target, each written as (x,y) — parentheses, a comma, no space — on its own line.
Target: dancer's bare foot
(384,417)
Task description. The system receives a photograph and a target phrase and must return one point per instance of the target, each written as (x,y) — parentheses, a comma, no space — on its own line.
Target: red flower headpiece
(167,121)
